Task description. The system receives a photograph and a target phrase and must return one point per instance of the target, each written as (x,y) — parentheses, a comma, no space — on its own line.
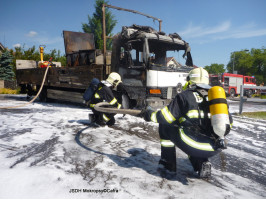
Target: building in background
(171,62)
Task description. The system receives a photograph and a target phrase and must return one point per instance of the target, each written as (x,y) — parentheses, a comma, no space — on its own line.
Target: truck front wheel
(249,93)
(43,94)
(232,93)
(23,89)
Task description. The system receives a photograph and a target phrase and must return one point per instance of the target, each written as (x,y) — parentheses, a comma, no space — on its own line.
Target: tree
(6,68)
(240,61)
(215,68)
(33,54)
(259,64)
(249,63)
(95,25)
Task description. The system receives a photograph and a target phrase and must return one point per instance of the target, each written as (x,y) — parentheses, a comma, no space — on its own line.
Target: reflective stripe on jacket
(186,109)
(104,93)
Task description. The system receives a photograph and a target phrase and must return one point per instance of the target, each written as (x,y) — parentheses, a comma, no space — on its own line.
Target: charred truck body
(139,55)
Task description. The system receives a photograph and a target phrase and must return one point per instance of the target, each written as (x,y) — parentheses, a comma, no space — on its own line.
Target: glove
(142,113)
(221,144)
(146,113)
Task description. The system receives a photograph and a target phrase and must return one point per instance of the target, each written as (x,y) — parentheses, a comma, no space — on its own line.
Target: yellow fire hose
(105,107)
(22,105)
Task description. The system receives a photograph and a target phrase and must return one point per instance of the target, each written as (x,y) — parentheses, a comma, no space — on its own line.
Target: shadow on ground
(142,159)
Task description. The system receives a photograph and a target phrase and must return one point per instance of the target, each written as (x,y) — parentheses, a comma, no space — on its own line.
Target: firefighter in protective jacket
(186,123)
(104,93)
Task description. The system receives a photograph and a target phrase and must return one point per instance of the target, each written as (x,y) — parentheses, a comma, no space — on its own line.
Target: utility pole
(104,43)
(234,62)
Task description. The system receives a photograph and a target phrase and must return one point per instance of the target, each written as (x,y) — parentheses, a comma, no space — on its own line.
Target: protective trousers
(197,146)
(106,118)
(168,152)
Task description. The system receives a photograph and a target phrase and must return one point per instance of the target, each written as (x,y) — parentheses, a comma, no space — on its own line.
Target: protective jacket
(104,93)
(186,123)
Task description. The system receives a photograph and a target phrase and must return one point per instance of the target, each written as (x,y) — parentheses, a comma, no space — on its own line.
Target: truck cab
(140,55)
(232,83)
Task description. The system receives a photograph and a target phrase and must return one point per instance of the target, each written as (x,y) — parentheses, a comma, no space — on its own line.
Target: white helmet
(114,79)
(198,76)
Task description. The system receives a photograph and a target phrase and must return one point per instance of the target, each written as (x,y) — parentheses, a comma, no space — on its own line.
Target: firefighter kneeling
(102,93)
(188,123)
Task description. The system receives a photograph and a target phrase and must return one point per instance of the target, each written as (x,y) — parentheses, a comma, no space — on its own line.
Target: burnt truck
(139,54)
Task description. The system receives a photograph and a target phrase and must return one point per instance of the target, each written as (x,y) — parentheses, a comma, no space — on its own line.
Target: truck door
(131,67)
(239,83)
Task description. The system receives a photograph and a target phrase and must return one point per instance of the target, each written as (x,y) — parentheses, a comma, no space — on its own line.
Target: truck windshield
(165,59)
(161,54)
(164,54)
(253,80)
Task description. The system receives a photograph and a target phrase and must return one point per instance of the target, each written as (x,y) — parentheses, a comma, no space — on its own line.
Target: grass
(256,115)
(9,91)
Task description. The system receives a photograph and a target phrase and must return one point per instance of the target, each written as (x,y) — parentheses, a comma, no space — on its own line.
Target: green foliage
(9,91)
(95,25)
(215,68)
(250,63)
(257,115)
(263,96)
(6,67)
(33,54)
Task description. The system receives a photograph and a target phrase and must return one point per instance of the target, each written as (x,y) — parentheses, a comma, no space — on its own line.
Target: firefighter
(186,123)
(104,93)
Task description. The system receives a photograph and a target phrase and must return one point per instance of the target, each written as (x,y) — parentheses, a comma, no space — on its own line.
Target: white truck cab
(140,56)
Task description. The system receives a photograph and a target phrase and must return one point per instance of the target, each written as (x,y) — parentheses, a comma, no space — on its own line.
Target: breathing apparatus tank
(219,112)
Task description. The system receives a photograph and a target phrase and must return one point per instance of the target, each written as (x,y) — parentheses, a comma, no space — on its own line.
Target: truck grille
(164,92)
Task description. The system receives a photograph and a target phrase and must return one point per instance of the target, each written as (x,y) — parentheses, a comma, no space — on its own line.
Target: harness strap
(219,100)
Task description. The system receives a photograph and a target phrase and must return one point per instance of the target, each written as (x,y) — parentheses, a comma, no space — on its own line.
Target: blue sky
(213,28)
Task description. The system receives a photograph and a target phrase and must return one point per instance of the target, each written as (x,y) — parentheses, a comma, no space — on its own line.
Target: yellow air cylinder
(218,110)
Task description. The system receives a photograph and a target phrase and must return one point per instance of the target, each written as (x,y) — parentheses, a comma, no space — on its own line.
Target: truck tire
(249,93)
(43,94)
(30,90)
(232,93)
(23,89)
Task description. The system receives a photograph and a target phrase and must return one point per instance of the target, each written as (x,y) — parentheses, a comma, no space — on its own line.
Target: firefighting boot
(205,170)
(111,122)
(98,121)
(168,158)
(91,118)
(202,166)
(167,165)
